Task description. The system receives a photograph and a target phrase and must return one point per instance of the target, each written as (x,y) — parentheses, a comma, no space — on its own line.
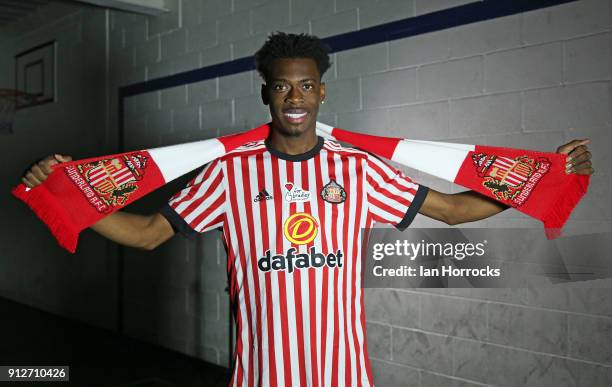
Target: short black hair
(280,45)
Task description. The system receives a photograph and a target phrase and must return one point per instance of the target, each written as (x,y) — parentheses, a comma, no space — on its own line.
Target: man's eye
(279,86)
(308,86)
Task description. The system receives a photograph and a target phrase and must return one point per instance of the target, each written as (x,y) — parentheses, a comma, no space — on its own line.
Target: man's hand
(40,170)
(470,206)
(579,157)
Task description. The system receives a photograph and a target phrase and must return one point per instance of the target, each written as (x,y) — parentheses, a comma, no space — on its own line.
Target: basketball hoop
(10,101)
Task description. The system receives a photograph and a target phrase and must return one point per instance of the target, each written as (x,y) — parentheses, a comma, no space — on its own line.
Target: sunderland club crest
(510,179)
(109,182)
(333,193)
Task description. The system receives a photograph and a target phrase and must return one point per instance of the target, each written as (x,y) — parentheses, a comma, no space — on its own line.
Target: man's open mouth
(295,116)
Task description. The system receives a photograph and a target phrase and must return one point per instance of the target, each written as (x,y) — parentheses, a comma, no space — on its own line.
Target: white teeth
(295,116)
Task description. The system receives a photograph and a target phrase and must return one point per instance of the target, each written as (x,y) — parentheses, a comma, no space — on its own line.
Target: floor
(96,357)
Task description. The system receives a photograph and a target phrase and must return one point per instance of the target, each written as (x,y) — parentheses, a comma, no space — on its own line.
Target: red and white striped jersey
(292,225)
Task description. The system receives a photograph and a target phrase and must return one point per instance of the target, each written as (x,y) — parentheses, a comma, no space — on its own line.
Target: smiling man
(291,208)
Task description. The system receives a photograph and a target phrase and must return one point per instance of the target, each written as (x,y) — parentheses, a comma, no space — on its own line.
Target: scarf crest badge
(112,180)
(511,180)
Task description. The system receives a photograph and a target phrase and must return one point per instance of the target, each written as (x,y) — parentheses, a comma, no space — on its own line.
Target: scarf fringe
(44,205)
(560,210)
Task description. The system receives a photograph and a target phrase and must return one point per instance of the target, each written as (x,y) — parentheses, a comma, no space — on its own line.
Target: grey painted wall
(533,80)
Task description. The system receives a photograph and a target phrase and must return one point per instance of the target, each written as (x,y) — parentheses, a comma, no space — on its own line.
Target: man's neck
(293,145)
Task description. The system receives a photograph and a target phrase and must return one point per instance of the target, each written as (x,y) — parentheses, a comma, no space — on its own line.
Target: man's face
(293,92)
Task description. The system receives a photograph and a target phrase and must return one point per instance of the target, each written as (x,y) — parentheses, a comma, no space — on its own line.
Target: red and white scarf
(79,193)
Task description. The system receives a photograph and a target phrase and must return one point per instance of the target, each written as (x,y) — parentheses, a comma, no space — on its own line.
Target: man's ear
(264,94)
(322,91)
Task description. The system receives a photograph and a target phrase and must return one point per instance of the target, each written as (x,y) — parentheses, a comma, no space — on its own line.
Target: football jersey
(291,225)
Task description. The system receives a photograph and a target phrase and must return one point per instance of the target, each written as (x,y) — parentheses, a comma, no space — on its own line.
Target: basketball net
(10,101)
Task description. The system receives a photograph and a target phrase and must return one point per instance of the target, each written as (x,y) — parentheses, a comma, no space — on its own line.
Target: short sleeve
(200,206)
(393,197)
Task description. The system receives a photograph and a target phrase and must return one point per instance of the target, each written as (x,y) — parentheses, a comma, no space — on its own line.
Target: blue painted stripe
(435,21)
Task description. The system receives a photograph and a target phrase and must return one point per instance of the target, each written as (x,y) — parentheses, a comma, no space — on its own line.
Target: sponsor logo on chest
(295,194)
(300,229)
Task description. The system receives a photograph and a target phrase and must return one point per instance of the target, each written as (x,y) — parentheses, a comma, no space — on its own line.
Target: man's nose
(294,95)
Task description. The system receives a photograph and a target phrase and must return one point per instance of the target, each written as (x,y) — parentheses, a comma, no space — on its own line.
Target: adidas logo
(262,195)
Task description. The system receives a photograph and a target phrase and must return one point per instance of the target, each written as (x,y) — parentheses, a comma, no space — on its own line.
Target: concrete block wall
(533,80)
(35,271)
(521,81)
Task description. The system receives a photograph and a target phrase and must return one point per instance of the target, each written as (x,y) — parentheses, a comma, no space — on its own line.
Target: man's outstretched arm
(470,206)
(133,230)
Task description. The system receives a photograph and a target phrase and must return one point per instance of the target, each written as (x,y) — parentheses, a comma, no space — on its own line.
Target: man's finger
(62,158)
(27,182)
(46,166)
(570,146)
(578,151)
(584,168)
(584,165)
(38,172)
(585,171)
(580,158)
(32,179)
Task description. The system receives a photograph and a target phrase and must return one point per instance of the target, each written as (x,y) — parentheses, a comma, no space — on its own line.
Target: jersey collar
(299,157)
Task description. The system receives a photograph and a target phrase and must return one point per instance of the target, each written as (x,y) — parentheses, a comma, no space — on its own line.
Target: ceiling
(13,10)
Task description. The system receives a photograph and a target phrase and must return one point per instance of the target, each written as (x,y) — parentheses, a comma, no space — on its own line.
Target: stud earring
(322,102)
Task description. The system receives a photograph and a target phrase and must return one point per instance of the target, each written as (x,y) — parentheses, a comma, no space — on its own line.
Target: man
(291,208)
